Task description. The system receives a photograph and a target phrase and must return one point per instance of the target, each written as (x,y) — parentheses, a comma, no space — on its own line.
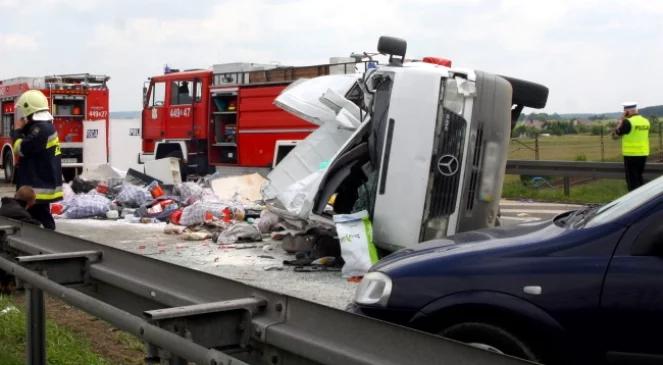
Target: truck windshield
(626,203)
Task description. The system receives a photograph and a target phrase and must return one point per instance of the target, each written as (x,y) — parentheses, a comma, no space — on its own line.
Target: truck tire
(8,167)
(490,337)
(527,93)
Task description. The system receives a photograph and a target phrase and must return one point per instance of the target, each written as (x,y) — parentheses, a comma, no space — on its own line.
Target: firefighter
(634,132)
(37,148)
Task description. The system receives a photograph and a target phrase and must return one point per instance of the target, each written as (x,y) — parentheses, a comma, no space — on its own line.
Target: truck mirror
(145,89)
(393,46)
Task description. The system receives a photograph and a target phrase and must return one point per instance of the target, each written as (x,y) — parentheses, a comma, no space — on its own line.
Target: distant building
(532,123)
(583,122)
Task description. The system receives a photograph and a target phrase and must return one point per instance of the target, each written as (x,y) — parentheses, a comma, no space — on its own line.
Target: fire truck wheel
(8,165)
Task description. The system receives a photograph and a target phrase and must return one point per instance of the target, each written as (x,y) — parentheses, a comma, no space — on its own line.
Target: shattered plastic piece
(112,214)
(82,186)
(325,261)
(9,309)
(127,212)
(355,279)
(196,236)
(297,243)
(166,169)
(238,188)
(240,232)
(138,178)
(267,221)
(274,268)
(238,246)
(173,229)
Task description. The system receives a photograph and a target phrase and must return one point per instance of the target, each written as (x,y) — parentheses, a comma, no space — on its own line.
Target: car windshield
(626,203)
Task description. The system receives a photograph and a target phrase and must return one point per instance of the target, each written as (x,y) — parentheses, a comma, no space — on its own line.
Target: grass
(598,191)
(574,147)
(62,348)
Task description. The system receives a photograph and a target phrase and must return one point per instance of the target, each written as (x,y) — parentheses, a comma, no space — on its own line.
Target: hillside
(654,111)
(650,111)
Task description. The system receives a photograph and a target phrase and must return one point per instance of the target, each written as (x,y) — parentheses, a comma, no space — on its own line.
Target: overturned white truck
(420,145)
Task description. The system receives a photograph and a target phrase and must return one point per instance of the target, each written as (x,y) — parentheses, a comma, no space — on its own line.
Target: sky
(592,54)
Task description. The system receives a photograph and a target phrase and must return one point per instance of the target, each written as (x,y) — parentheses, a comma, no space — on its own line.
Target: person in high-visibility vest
(37,148)
(634,132)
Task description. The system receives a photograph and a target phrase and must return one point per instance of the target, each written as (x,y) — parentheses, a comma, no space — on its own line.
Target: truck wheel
(527,93)
(8,165)
(491,338)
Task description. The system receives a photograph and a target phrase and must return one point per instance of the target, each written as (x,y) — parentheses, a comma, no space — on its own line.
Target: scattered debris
(8,309)
(238,188)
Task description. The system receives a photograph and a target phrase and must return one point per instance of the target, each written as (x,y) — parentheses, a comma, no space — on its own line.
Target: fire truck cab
(72,98)
(224,116)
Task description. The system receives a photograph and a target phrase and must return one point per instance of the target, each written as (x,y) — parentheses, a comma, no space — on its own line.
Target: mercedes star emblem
(447,165)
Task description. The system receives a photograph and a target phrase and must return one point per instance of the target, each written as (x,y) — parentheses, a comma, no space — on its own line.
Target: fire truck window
(158,94)
(181,92)
(199,90)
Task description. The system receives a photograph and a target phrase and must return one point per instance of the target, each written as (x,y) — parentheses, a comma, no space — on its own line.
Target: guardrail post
(567,186)
(36,325)
(602,145)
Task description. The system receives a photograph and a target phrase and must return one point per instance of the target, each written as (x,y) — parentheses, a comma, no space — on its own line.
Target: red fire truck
(225,116)
(72,98)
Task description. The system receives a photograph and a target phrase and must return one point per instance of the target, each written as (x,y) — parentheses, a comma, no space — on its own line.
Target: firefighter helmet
(31,102)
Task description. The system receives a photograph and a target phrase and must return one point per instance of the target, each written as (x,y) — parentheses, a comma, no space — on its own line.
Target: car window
(626,203)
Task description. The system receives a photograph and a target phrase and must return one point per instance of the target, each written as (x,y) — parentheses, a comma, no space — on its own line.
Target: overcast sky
(592,54)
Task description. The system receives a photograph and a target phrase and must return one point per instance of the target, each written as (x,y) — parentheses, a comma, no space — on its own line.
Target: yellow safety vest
(636,142)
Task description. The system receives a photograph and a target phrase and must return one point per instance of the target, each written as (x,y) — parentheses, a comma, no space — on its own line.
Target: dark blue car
(585,287)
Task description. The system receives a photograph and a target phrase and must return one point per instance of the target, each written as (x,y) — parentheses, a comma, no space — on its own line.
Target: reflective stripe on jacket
(636,141)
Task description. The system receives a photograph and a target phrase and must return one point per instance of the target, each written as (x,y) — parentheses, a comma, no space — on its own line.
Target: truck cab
(225,116)
(175,116)
(74,99)
(427,153)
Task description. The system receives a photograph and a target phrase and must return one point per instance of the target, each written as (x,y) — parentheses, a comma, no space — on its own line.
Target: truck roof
(85,80)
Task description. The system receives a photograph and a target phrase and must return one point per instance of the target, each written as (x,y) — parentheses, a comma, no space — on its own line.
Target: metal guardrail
(568,169)
(607,170)
(188,315)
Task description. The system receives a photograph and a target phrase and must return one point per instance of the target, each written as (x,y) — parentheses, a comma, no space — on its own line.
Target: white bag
(355,234)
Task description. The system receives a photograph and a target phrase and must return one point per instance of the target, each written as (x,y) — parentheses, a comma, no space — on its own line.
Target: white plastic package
(355,234)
